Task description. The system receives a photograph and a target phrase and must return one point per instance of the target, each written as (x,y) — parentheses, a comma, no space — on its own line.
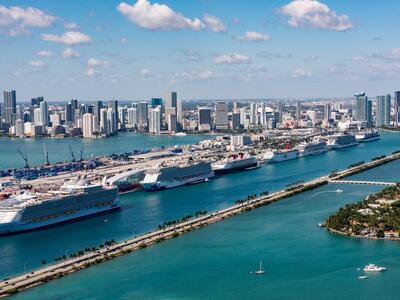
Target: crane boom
(72,153)
(46,155)
(24,157)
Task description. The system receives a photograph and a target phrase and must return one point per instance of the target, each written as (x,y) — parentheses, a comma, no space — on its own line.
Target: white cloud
(254,36)
(311,58)
(194,75)
(37,63)
(301,73)
(124,40)
(214,23)
(70,53)
(44,53)
(16,20)
(93,62)
(157,16)
(71,26)
(313,14)
(232,58)
(360,58)
(145,72)
(68,38)
(92,72)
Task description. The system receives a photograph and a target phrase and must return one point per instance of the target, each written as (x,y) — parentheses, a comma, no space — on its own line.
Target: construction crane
(81,157)
(24,157)
(46,155)
(72,153)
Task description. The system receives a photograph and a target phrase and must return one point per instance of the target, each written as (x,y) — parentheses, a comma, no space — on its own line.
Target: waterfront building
(10,106)
(235,124)
(204,118)
(221,116)
(327,112)
(396,108)
(104,121)
(171,99)
(19,128)
(363,109)
(132,116)
(240,140)
(155,120)
(97,106)
(122,112)
(142,116)
(179,112)
(37,116)
(87,127)
(171,109)
(55,118)
(171,119)
(69,117)
(44,113)
(111,124)
(383,107)
(113,104)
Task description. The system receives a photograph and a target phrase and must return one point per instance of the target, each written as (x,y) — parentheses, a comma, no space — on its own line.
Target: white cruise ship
(367,136)
(275,156)
(171,176)
(340,141)
(75,200)
(235,163)
(312,148)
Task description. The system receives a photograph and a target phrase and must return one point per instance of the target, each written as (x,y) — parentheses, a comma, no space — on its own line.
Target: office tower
(44,113)
(179,111)
(253,114)
(132,116)
(87,127)
(396,108)
(243,115)
(69,117)
(156,102)
(155,120)
(19,128)
(363,109)
(103,121)
(263,115)
(236,107)
(298,110)
(204,118)
(10,106)
(171,99)
(97,106)
(327,112)
(235,121)
(55,119)
(37,116)
(221,116)
(122,113)
(170,118)
(383,106)
(142,115)
(36,101)
(111,124)
(114,105)
(74,103)
(281,107)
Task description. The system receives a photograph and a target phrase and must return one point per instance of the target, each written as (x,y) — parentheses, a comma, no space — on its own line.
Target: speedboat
(373,268)
(339,191)
(362,277)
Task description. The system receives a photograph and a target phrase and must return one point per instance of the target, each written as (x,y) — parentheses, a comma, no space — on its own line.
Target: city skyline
(140,49)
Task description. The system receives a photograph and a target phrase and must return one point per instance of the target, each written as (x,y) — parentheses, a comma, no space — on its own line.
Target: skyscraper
(156,102)
(142,115)
(204,118)
(111,123)
(114,105)
(221,115)
(171,109)
(396,108)
(10,107)
(363,111)
(36,101)
(44,113)
(155,120)
(298,111)
(104,121)
(171,99)
(132,116)
(87,127)
(327,112)
(383,107)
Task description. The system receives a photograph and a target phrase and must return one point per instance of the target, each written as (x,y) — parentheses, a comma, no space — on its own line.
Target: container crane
(46,155)
(24,157)
(72,153)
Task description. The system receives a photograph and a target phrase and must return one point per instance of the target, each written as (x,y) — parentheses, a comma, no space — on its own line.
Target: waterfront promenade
(43,275)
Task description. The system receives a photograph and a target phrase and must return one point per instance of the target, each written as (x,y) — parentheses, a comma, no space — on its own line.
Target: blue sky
(99,50)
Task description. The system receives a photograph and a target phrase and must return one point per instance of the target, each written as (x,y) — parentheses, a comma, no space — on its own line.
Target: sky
(203,49)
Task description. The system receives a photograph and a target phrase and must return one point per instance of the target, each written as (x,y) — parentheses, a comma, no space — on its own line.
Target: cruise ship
(174,175)
(74,200)
(275,156)
(127,181)
(312,148)
(235,163)
(340,141)
(367,136)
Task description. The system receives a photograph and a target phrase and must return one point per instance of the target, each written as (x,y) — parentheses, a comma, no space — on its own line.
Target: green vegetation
(79,253)
(183,219)
(377,216)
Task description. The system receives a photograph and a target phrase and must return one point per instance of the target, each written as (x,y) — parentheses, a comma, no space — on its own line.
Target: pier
(25,281)
(363,182)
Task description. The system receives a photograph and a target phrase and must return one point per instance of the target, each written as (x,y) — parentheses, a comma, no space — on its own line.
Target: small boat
(362,277)
(261,270)
(321,225)
(339,191)
(373,268)
(105,220)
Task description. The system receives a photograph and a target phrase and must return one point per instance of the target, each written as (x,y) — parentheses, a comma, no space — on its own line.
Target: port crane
(24,157)
(81,157)
(72,153)
(46,155)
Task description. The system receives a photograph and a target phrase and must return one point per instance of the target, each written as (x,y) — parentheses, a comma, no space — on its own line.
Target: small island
(376,217)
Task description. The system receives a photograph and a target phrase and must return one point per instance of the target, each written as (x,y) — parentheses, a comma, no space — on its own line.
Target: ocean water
(301,260)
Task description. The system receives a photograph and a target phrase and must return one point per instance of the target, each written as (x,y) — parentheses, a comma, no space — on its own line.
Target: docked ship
(367,136)
(312,148)
(235,163)
(127,181)
(74,200)
(275,156)
(340,141)
(170,176)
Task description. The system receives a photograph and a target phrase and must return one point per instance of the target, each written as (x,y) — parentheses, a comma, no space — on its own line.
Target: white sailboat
(261,270)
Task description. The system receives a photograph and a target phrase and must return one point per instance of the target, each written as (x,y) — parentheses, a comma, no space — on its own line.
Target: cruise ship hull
(21,227)
(284,156)
(338,147)
(313,153)
(236,167)
(164,185)
(366,140)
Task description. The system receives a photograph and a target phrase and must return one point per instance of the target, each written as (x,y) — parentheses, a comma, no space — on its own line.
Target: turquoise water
(58,148)
(302,261)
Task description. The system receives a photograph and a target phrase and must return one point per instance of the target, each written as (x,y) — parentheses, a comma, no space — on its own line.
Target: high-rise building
(10,107)
(69,114)
(179,111)
(171,108)
(156,102)
(104,121)
(44,113)
(236,121)
(253,114)
(327,112)
(298,110)
(37,116)
(383,107)
(155,120)
(19,128)
(55,119)
(363,111)
(142,115)
(204,118)
(36,101)
(132,116)
(122,116)
(396,108)
(97,106)
(111,123)
(87,127)
(171,99)
(221,116)
(114,105)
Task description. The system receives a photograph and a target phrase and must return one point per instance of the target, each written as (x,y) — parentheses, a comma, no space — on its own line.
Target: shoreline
(40,276)
(359,236)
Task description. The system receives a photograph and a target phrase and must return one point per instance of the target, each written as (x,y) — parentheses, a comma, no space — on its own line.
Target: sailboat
(261,270)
